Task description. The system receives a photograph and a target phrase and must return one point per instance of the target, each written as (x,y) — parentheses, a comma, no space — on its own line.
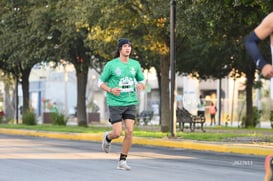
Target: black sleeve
(251,44)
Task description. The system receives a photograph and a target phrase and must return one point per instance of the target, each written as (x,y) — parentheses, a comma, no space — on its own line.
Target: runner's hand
(116,91)
(140,86)
(267,71)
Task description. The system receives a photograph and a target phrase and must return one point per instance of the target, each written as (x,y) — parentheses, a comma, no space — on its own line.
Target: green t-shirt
(125,76)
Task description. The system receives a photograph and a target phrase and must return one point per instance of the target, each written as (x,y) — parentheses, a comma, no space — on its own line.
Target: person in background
(212,112)
(121,78)
(179,101)
(54,108)
(201,107)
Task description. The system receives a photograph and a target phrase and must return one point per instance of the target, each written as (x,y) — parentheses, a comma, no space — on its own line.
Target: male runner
(262,31)
(121,78)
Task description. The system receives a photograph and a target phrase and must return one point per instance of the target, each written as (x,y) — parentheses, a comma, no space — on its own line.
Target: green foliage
(209,35)
(215,32)
(58,119)
(214,134)
(258,84)
(214,40)
(21,42)
(256,115)
(29,118)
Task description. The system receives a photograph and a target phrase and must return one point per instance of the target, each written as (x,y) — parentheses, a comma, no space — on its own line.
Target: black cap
(123,41)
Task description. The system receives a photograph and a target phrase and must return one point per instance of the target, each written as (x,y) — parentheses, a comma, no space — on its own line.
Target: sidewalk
(261,149)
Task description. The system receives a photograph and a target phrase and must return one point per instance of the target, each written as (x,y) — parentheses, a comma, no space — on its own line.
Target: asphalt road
(24,158)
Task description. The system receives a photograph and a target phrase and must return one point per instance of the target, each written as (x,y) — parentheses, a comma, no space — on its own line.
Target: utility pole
(219,98)
(16,101)
(172,63)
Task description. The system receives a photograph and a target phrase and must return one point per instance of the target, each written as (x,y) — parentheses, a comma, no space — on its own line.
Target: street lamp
(16,100)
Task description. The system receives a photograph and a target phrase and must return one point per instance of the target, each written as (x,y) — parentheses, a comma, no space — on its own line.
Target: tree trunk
(81,99)
(159,86)
(249,101)
(9,100)
(25,88)
(164,93)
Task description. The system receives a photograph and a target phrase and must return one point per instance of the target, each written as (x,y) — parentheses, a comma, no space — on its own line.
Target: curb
(252,149)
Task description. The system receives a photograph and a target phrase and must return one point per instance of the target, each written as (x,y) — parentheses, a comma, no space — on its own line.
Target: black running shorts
(119,113)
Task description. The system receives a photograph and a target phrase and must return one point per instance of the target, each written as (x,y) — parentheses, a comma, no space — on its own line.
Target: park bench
(185,117)
(145,116)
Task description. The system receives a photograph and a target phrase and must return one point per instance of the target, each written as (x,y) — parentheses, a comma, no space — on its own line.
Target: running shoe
(122,165)
(106,146)
(268,168)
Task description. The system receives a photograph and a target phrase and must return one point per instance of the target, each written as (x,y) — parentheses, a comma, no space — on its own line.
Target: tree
(215,34)
(41,32)
(146,23)
(20,42)
(68,33)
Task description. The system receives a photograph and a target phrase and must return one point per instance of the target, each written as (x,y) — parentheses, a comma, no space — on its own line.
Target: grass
(212,133)
(49,127)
